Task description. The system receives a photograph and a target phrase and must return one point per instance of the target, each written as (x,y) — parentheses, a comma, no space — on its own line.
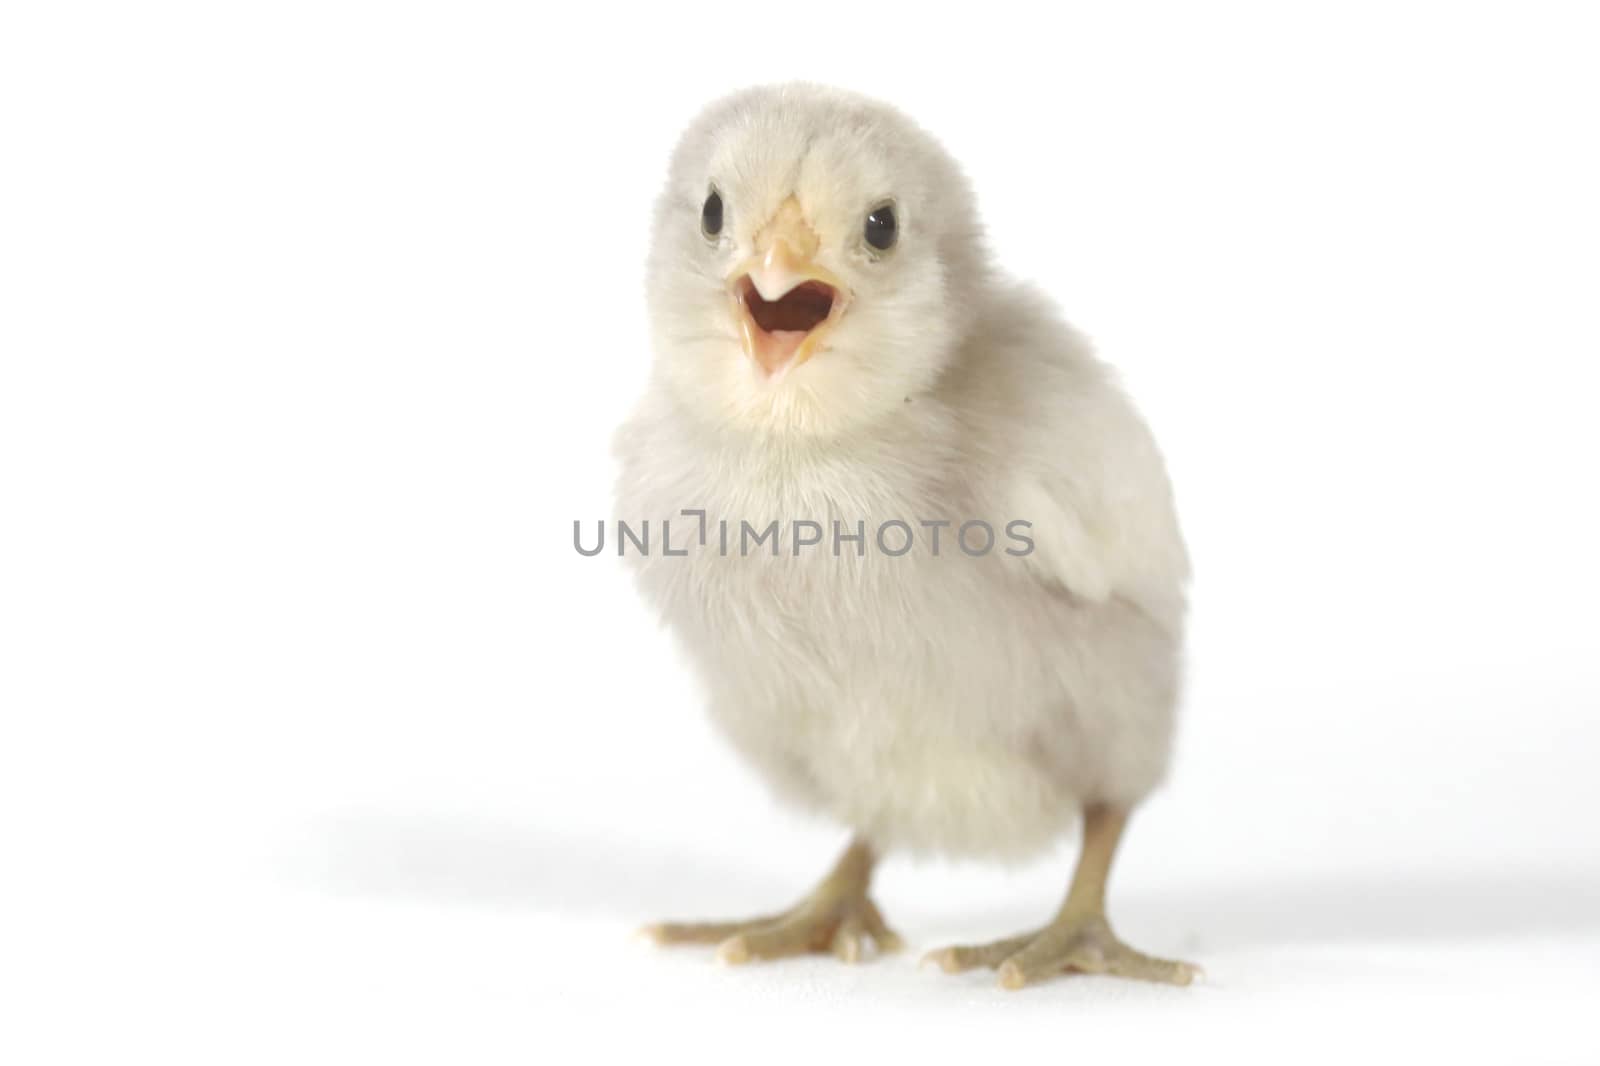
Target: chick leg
(1079,938)
(837,916)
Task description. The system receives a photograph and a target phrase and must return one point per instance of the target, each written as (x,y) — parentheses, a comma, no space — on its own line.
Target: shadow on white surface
(464,862)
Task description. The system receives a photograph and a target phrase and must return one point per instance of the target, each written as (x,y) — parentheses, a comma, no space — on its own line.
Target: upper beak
(783,300)
(780,267)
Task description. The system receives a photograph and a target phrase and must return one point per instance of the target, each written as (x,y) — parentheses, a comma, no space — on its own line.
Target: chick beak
(783,301)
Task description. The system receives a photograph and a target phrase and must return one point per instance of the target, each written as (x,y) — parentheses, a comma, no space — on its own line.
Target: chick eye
(711,215)
(880,229)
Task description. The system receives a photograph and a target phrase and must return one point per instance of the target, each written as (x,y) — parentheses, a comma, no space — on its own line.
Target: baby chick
(834,354)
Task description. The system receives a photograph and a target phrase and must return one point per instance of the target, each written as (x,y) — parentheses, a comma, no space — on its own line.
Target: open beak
(784,302)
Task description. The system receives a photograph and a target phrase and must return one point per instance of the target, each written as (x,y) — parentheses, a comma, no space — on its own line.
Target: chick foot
(837,917)
(1082,944)
(1079,939)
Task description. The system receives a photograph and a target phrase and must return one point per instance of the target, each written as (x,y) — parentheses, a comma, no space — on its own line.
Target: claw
(734,951)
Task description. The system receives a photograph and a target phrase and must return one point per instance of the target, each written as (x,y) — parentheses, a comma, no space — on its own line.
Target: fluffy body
(952,704)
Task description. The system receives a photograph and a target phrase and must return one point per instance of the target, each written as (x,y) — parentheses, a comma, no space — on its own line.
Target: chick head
(815,260)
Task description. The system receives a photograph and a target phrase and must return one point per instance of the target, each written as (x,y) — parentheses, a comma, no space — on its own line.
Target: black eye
(880,229)
(711,215)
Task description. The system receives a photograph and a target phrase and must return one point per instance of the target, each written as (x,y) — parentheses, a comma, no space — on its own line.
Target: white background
(321,744)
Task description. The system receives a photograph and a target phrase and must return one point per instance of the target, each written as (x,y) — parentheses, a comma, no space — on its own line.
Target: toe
(1042,956)
(847,928)
(1133,964)
(886,939)
(668,933)
(1081,946)
(793,936)
(970,957)
(1098,951)
(691,932)
(847,939)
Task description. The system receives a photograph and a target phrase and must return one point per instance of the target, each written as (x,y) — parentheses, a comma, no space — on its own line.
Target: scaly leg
(1079,938)
(837,916)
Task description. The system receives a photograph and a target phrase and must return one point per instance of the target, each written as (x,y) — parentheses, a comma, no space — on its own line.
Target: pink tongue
(778,347)
(787,340)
